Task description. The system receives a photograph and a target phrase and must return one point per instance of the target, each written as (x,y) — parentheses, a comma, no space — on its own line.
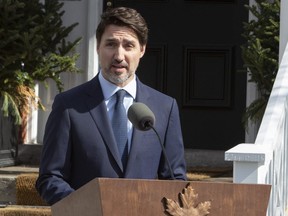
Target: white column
(251,95)
(32,122)
(93,18)
(283,28)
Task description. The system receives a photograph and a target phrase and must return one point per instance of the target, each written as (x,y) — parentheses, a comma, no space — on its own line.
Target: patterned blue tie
(119,125)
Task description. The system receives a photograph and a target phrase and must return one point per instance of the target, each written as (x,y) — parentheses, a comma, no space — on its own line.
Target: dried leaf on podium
(189,206)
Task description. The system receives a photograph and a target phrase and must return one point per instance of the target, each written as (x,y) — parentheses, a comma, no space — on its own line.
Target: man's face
(119,54)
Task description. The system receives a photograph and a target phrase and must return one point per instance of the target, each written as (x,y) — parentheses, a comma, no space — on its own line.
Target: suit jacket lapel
(98,111)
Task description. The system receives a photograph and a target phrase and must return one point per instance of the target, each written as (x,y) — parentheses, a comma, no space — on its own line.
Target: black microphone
(143,119)
(141,116)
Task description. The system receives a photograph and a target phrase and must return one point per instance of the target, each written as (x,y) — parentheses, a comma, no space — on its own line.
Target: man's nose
(119,54)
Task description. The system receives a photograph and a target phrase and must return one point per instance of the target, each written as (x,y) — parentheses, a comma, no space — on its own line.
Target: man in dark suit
(80,143)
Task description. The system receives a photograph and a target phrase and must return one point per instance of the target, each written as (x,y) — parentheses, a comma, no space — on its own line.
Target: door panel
(193,54)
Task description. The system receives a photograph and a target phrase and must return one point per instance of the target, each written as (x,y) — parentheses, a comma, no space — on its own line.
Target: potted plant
(33,48)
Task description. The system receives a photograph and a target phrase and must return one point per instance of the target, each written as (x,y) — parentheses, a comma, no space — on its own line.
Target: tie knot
(120,95)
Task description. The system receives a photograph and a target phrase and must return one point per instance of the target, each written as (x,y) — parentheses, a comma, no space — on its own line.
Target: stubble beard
(117,79)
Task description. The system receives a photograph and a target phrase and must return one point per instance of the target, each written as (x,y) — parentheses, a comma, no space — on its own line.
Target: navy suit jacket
(79,144)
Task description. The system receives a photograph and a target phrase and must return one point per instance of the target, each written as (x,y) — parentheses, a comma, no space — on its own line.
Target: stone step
(7,189)
(8,181)
(16,170)
(21,203)
(21,210)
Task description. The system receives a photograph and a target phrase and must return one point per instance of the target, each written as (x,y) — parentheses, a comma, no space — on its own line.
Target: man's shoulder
(78,90)
(152,92)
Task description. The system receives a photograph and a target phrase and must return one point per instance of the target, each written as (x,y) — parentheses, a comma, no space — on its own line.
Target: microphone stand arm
(164,151)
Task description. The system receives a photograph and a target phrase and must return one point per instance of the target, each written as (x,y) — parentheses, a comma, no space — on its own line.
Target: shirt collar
(109,89)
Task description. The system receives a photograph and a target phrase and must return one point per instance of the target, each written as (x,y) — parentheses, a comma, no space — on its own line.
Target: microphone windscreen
(141,116)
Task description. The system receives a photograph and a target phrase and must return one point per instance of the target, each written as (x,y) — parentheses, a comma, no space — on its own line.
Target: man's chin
(119,80)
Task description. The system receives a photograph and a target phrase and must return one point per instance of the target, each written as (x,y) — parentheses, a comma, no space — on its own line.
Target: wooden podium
(131,197)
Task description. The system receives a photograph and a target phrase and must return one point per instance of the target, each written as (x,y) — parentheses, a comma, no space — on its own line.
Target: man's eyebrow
(111,39)
(126,41)
(130,41)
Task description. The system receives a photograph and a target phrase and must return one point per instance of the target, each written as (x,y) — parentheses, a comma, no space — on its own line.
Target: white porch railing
(266,161)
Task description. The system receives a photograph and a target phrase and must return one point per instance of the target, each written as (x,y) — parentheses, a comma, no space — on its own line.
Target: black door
(193,54)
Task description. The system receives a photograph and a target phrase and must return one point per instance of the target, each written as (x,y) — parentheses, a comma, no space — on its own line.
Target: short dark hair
(123,16)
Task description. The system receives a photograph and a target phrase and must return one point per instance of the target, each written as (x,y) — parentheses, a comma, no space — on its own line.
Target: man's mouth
(119,67)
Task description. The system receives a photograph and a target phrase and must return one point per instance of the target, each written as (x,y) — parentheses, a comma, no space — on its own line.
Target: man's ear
(142,50)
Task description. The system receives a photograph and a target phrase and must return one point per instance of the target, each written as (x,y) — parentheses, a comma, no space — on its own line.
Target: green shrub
(260,53)
(33,47)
